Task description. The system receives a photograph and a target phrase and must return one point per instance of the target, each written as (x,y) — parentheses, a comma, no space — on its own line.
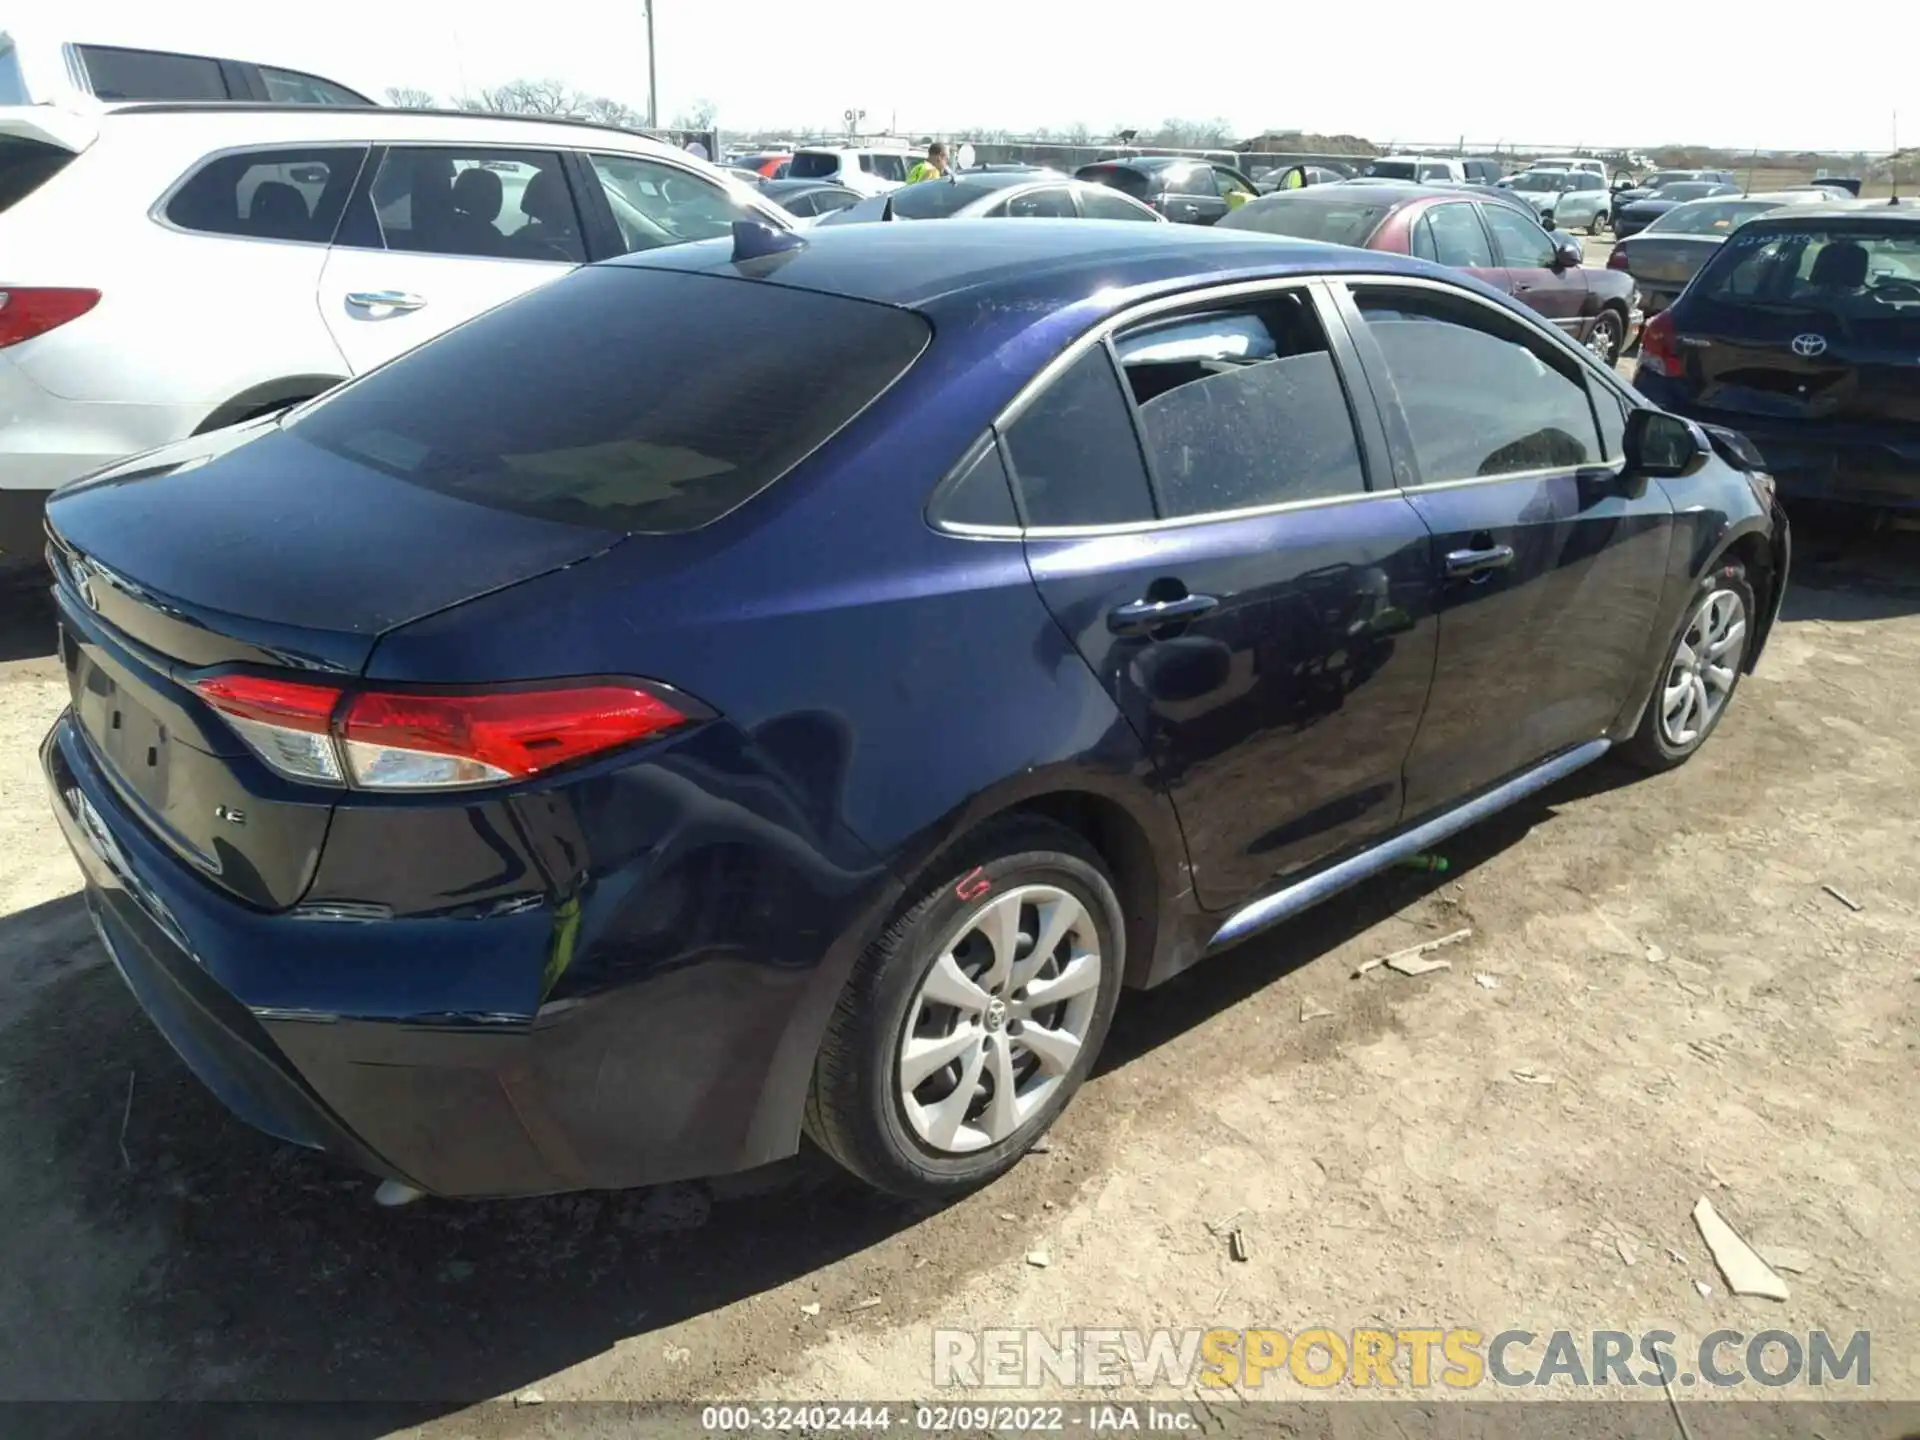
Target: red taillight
(29,311)
(386,740)
(1618,259)
(1660,347)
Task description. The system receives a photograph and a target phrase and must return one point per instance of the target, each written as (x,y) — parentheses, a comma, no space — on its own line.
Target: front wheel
(1701,672)
(1604,340)
(969,1024)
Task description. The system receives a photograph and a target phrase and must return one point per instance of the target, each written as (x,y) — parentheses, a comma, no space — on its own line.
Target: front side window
(117,74)
(269,194)
(1523,244)
(1075,458)
(1191,180)
(622,397)
(496,204)
(1230,183)
(655,204)
(1480,396)
(1052,203)
(1459,239)
(1242,408)
(890,167)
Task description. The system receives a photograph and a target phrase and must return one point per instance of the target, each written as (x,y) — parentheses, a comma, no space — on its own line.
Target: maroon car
(1486,232)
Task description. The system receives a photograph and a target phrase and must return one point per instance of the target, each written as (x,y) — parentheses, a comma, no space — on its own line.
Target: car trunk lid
(192,560)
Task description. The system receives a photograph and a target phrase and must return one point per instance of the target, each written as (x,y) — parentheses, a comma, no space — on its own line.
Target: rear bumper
(1838,464)
(46,440)
(695,1069)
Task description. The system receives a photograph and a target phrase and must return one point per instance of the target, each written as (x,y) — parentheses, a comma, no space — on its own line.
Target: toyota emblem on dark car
(1808,346)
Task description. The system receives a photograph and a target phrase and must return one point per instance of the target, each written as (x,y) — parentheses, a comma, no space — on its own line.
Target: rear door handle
(1138,617)
(386,300)
(1479,562)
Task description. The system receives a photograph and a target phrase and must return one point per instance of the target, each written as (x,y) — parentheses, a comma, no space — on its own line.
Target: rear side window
(26,165)
(1242,408)
(813,165)
(269,194)
(1074,454)
(498,204)
(1480,398)
(1123,178)
(13,85)
(1097,202)
(291,87)
(979,494)
(118,74)
(1053,203)
(623,398)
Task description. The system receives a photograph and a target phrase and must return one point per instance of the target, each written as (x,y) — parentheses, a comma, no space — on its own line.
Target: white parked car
(169,269)
(864,169)
(1419,168)
(45,70)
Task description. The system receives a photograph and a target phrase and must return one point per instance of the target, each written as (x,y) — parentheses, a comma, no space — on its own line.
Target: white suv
(168,269)
(864,169)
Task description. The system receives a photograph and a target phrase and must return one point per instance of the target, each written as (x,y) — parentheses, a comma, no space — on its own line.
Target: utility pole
(653,75)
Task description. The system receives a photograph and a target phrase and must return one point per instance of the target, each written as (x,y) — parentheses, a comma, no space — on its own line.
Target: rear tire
(956,1043)
(1701,671)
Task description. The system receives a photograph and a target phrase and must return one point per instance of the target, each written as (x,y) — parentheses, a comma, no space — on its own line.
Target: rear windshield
(1391,169)
(812,165)
(623,398)
(937,199)
(1123,178)
(1308,217)
(1708,217)
(26,165)
(1688,190)
(1853,272)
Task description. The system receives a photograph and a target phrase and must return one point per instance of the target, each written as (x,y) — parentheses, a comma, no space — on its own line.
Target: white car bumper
(46,441)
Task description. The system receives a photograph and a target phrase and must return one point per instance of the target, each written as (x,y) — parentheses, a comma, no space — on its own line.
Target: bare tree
(524,97)
(410,97)
(604,111)
(1079,134)
(700,117)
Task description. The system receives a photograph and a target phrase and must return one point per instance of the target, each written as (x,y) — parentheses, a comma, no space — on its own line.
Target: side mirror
(1660,444)
(1567,254)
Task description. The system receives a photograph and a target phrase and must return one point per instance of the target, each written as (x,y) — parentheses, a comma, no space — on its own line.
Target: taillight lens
(1660,346)
(1618,259)
(29,311)
(389,740)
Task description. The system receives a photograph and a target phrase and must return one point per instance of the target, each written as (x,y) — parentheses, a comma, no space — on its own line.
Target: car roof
(372,123)
(1150,162)
(1905,212)
(1049,262)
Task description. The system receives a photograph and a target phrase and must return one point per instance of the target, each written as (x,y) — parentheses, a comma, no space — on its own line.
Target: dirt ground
(1659,1001)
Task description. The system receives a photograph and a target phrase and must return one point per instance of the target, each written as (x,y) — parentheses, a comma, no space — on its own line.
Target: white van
(864,169)
(37,70)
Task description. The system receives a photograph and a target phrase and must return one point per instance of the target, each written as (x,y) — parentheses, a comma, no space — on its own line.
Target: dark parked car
(591,749)
(1626,194)
(1185,190)
(1488,232)
(1664,257)
(767,164)
(806,198)
(1634,216)
(1803,331)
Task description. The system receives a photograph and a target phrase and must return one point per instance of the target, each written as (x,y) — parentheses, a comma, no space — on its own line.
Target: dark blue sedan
(794,685)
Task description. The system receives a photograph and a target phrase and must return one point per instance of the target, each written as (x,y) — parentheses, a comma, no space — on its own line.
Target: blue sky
(1417,72)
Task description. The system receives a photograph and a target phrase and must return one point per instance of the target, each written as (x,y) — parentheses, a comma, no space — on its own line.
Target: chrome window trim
(1541,325)
(157,212)
(1237,290)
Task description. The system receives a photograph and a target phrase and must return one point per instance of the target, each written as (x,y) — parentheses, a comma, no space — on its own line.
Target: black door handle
(1479,562)
(1141,617)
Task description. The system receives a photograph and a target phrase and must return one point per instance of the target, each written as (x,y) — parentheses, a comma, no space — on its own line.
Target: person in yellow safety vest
(934,167)
(1237,197)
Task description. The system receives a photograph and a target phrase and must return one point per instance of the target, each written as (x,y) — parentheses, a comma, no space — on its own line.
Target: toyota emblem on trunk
(1808,346)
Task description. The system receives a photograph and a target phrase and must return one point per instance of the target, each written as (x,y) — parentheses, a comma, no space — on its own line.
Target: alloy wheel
(999,1019)
(1603,341)
(1703,669)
